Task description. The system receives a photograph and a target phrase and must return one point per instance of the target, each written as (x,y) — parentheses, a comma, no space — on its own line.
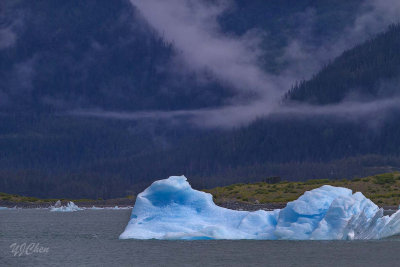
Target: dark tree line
(101,158)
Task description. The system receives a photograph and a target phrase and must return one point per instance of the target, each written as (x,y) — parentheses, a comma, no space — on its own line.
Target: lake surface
(90,238)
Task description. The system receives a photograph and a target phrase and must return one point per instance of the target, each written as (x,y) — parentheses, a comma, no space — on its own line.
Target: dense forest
(95,54)
(370,70)
(101,55)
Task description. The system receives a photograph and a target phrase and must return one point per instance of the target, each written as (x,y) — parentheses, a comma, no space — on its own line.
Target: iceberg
(109,208)
(7,208)
(58,204)
(95,208)
(119,208)
(69,208)
(171,209)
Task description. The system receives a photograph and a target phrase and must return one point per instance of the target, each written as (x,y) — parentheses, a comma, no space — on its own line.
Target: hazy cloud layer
(232,116)
(373,17)
(11,21)
(19,76)
(7,38)
(191,27)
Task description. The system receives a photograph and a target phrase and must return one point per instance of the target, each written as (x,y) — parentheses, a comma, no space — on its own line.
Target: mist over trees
(369,71)
(66,56)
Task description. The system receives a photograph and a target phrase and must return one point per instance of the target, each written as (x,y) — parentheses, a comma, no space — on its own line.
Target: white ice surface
(7,208)
(109,208)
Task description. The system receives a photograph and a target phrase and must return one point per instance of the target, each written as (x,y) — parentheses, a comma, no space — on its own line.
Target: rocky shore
(120,202)
(124,202)
(129,202)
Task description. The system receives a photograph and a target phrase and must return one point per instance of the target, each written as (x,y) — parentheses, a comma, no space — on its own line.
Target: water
(90,238)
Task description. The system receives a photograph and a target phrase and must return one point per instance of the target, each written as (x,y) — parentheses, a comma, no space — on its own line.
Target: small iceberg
(7,208)
(109,208)
(112,208)
(69,208)
(119,208)
(95,208)
(171,209)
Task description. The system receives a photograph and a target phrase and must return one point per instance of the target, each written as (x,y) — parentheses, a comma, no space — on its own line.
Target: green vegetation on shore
(19,199)
(383,189)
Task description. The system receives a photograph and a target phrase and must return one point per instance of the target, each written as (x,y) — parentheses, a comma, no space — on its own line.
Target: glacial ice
(7,208)
(118,208)
(109,208)
(95,208)
(171,209)
(69,208)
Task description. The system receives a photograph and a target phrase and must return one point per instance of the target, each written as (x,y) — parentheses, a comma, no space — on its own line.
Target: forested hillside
(96,54)
(62,57)
(101,54)
(370,70)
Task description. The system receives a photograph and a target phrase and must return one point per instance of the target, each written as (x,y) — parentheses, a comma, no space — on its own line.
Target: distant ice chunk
(119,208)
(171,209)
(7,208)
(95,208)
(113,208)
(109,208)
(69,208)
(57,204)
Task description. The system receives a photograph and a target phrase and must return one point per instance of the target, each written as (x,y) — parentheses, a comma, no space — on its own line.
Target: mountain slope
(369,70)
(70,55)
(97,54)
(102,54)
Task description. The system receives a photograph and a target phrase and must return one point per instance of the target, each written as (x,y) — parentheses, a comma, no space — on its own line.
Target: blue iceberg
(71,207)
(171,209)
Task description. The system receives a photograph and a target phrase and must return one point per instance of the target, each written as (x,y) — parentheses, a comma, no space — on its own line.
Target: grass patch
(383,189)
(387,178)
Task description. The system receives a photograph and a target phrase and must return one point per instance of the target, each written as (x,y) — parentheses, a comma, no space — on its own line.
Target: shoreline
(381,189)
(129,203)
(111,203)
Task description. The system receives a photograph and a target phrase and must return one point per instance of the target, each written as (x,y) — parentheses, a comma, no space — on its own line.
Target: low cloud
(7,38)
(233,116)
(11,21)
(191,27)
(305,59)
